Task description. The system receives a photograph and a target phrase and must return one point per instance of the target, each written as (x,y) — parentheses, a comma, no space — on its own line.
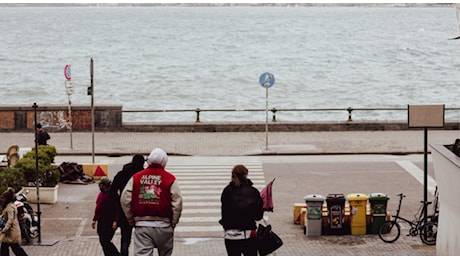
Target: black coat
(120,180)
(42,137)
(241,206)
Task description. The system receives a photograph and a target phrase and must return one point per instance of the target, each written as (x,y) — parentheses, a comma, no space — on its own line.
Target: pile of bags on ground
(72,173)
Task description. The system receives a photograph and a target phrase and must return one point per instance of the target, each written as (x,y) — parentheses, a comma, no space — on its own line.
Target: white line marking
(81,227)
(200,210)
(213,182)
(199,229)
(202,203)
(198,219)
(418,174)
(202,177)
(214,197)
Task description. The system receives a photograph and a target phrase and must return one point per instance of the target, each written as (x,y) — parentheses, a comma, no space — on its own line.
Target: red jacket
(151,193)
(106,207)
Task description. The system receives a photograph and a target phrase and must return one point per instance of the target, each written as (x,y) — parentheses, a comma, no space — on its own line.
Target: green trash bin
(378,202)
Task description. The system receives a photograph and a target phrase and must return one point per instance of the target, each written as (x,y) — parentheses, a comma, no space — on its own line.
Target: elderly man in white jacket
(152,202)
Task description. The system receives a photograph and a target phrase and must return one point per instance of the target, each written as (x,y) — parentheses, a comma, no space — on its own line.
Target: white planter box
(48,195)
(447,172)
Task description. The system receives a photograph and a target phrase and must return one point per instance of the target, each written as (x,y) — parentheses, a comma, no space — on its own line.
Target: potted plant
(446,164)
(11,177)
(48,174)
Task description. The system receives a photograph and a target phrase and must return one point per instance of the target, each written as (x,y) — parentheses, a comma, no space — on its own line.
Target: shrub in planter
(43,157)
(11,177)
(49,150)
(48,174)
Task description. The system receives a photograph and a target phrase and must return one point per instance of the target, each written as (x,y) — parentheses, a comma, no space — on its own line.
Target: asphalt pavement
(236,143)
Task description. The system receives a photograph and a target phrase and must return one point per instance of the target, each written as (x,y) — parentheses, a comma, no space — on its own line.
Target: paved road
(198,233)
(237,143)
(202,177)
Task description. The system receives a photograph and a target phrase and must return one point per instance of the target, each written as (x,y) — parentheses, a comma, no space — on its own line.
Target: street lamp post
(91,93)
(37,176)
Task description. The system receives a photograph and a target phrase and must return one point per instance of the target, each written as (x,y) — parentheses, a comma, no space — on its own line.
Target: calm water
(212,57)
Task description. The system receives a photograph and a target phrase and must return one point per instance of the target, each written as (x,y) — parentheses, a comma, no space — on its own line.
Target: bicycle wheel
(389,231)
(428,233)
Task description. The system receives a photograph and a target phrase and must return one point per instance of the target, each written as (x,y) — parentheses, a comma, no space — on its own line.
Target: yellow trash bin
(298,212)
(358,203)
(303,217)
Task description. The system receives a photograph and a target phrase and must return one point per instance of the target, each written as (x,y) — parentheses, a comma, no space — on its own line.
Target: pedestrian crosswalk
(201,180)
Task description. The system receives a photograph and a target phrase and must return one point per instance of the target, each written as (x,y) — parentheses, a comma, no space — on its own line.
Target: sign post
(425,116)
(266,80)
(69,90)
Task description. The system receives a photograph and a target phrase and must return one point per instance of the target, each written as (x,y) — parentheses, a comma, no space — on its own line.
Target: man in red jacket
(152,202)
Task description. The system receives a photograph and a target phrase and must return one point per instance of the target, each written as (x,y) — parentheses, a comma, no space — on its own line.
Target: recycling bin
(336,214)
(358,203)
(313,224)
(378,202)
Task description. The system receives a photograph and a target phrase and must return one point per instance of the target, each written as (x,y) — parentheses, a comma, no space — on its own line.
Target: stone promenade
(301,162)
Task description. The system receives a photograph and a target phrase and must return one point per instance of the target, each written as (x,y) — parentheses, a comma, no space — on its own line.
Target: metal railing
(273,111)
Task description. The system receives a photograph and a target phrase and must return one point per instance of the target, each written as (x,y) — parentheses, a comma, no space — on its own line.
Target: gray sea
(160,58)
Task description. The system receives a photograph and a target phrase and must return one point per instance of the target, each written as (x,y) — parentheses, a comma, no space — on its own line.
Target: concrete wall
(56,118)
(275,126)
(109,118)
(447,171)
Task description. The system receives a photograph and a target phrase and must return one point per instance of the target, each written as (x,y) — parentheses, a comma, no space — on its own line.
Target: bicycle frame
(419,220)
(390,230)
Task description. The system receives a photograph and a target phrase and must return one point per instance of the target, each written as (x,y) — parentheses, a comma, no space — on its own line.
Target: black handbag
(268,241)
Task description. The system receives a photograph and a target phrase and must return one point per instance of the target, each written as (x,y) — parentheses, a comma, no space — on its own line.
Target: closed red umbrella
(267,198)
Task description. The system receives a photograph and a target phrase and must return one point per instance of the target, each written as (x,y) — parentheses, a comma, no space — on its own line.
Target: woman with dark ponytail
(241,208)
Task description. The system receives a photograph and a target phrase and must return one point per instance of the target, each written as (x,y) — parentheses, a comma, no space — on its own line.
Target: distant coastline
(226,4)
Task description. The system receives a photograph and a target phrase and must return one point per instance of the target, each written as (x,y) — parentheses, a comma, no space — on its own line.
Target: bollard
(197,115)
(349,109)
(274,114)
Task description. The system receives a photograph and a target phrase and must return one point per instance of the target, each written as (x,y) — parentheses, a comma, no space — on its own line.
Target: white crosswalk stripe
(201,180)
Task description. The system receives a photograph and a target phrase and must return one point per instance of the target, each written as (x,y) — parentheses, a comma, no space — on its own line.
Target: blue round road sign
(267,80)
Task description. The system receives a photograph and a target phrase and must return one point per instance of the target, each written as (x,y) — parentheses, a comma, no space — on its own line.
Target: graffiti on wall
(104,118)
(57,118)
(53,119)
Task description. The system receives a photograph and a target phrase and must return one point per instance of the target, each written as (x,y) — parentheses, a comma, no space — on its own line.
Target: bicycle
(390,230)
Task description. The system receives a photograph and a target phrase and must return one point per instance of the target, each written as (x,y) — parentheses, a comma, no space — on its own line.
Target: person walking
(42,135)
(10,234)
(118,184)
(241,207)
(105,216)
(152,202)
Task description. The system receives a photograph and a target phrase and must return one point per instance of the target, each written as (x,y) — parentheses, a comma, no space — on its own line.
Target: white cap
(157,156)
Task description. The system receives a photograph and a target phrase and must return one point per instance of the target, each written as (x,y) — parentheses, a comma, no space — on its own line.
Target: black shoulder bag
(268,241)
